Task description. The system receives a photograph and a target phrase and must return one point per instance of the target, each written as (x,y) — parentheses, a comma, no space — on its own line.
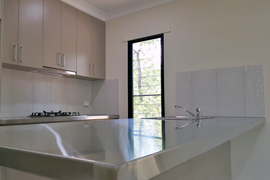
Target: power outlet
(86,103)
(86,126)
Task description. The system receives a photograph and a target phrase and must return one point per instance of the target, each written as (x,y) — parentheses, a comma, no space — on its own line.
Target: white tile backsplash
(231,92)
(73,93)
(58,93)
(98,96)
(254,91)
(204,91)
(22,93)
(85,95)
(237,91)
(42,93)
(26,92)
(184,91)
(112,96)
(6,92)
(105,96)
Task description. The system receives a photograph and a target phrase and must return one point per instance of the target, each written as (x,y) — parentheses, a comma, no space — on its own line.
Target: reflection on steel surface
(58,140)
(197,121)
(104,149)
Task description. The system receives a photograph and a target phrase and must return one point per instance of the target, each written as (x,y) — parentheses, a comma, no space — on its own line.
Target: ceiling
(108,6)
(109,9)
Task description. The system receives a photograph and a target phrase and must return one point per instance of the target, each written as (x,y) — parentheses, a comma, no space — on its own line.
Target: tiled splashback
(237,91)
(23,93)
(105,96)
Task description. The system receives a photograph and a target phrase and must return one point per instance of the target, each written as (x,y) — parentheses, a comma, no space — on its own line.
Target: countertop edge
(41,120)
(165,160)
(133,170)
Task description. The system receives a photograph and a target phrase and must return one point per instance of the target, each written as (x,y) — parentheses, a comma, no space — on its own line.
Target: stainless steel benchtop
(38,120)
(104,150)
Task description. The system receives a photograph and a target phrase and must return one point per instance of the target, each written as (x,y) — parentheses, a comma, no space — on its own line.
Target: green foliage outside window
(147,96)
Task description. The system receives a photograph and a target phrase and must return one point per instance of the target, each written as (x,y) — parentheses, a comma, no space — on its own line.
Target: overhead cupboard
(50,34)
(22,33)
(90,33)
(59,35)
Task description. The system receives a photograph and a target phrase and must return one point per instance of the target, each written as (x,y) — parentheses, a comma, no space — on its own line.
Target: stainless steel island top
(115,149)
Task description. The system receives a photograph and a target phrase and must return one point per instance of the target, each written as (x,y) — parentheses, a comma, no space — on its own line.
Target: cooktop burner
(52,114)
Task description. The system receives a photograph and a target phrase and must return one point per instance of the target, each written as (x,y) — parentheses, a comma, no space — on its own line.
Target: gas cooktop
(53,114)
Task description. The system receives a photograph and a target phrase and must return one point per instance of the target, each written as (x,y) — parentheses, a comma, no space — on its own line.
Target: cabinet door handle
(90,69)
(93,70)
(59,59)
(64,60)
(15,53)
(21,48)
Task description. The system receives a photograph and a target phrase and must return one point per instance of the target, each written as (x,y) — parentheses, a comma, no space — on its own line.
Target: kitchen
(202,35)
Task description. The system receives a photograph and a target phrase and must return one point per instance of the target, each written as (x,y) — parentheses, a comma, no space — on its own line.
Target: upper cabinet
(22,33)
(98,48)
(68,37)
(59,35)
(52,34)
(84,66)
(0,9)
(90,46)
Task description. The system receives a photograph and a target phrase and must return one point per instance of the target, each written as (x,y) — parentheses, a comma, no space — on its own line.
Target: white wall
(205,34)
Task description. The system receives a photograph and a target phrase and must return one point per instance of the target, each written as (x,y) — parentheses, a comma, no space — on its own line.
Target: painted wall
(203,35)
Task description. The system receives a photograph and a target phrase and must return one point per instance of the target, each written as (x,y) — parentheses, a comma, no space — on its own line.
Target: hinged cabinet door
(10,23)
(30,33)
(98,48)
(51,34)
(84,44)
(68,37)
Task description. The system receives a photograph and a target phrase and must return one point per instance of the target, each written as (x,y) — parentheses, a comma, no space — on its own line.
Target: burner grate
(53,114)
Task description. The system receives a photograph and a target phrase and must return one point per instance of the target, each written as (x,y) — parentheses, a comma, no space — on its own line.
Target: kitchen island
(104,149)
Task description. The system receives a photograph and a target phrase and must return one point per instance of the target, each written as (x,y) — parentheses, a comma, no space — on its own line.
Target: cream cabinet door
(84,44)
(68,37)
(0,9)
(51,34)
(98,48)
(22,32)
(10,31)
(30,33)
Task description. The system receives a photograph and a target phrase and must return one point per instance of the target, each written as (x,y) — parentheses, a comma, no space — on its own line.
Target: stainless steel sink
(179,118)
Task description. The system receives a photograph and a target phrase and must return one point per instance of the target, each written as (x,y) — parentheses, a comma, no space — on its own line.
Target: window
(146,93)
(146,74)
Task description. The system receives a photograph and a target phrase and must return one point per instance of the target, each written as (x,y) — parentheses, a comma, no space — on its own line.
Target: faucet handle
(198,112)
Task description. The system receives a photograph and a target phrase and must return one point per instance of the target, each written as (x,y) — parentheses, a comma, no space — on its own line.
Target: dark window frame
(130,89)
(130,73)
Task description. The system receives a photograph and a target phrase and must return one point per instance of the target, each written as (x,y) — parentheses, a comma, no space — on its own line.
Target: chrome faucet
(198,114)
